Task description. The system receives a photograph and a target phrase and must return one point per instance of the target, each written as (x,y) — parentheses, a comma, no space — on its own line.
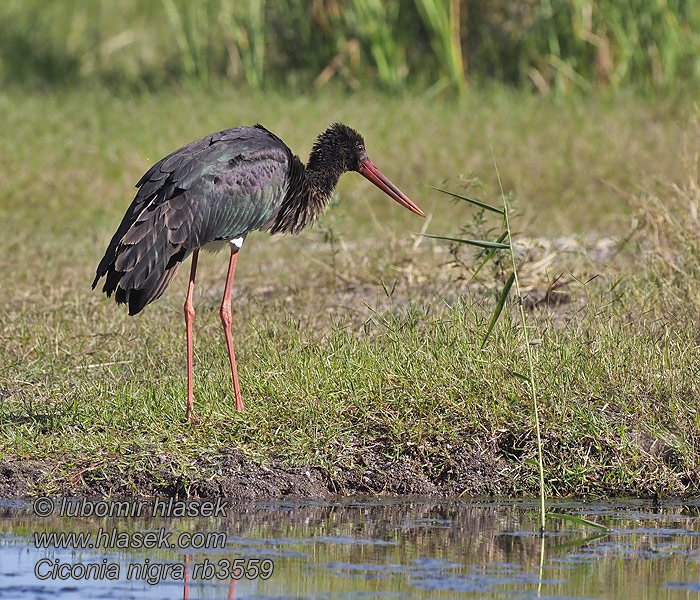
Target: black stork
(213,192)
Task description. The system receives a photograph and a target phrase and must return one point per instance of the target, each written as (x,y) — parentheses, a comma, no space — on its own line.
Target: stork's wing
(220,187)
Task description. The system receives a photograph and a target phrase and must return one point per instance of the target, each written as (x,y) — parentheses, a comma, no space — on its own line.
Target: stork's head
(342,149)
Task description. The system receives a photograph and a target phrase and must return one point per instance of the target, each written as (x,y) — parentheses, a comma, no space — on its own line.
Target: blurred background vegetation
(426,45)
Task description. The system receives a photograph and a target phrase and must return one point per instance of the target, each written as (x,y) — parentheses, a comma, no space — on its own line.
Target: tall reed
(551,45)
(442,19)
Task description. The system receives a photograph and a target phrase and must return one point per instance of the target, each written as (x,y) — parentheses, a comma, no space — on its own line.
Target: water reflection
(369,549)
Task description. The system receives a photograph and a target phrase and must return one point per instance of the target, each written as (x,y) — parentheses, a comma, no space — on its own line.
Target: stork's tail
(139,266)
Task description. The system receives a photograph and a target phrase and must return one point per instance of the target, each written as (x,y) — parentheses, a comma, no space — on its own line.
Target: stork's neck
(309,190)
(322,181)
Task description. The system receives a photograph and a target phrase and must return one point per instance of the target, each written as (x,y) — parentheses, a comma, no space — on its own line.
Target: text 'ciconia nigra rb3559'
(216,191)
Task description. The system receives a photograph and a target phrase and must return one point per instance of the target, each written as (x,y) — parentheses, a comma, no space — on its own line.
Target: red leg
(189,318)
(186,590)
(226,319)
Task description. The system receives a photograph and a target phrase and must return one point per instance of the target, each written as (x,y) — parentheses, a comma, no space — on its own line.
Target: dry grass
(669,218)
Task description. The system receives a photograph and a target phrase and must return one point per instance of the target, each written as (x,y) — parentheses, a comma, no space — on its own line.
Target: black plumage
(220,187)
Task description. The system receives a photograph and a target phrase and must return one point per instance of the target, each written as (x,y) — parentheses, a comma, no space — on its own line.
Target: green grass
(330,376)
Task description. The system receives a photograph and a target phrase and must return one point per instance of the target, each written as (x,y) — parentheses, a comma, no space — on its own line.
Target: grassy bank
(359,359)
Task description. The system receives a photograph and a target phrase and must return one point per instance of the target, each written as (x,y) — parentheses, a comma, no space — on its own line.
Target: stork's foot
(191,417)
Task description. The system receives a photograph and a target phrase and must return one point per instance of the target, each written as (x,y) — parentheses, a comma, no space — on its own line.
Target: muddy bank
(479,469)
(233,475)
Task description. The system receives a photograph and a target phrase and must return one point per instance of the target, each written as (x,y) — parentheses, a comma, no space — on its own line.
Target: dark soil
(233,475)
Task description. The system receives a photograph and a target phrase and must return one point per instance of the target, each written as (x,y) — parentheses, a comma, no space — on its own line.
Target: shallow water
(355,549)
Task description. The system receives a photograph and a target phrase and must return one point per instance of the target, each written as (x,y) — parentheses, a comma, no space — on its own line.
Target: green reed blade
(478,203)
(478,243)
(499,307)
(490,254)
(579,520)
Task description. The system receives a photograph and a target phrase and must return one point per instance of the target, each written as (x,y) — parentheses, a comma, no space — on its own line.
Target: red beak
(369,171)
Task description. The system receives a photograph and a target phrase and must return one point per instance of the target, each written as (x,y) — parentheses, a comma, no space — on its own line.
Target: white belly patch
(219,245)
